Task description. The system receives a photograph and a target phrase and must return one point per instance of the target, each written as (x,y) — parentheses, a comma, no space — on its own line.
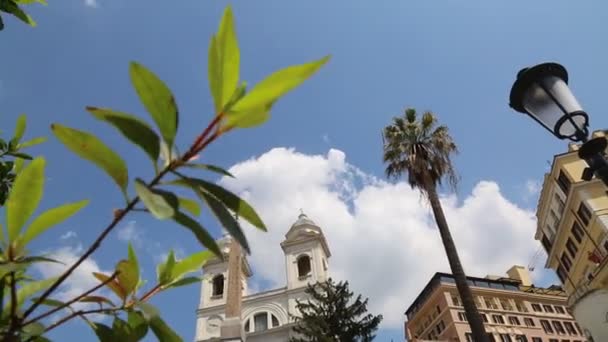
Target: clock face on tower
(213,324)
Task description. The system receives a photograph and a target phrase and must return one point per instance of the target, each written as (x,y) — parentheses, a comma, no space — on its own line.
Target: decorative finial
(301,213)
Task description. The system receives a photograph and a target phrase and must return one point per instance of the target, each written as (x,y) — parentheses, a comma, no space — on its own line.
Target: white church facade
(266,316)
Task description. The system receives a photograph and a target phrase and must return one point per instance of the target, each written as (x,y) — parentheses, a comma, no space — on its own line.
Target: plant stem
(66,304)
(14,318)
(80,313)
(195,146)
(150,293)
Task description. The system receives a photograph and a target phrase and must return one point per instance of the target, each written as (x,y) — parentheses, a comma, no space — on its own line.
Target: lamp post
(542,92)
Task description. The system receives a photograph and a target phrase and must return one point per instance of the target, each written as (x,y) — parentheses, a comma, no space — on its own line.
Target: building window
(584,213)
(537,308)
(577,232)
(303,266)
(548,308)
(498,319)
(505,338)
(578,328)
(570,328)
(560,309)
(562,274)
(275,321)
(546,243)
(566,262)
(469,337)
(521,338)
(456,300)
(521,307)
(462,316)
(514,320)
(260,321)
(559,328)
(484,317)
(440,327)
(529,322)
(506,305)
(546,326)
(537,339)
(490,303)
(553,340)
(218,285)
(571,247)
(247,325)
(563,181)
(560,203)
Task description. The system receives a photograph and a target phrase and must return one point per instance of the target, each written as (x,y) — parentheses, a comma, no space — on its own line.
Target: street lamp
(542,92)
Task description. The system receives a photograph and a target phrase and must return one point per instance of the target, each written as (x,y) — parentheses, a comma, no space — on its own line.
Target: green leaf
(96,299)
(133,128)
(160,203)
(191,263)
(24,196)
(149,310)
(49,302)
(138,324)
(127,276)
(224,62)
(27,2)
(20,127)
(121,328)
(112,285)
(165,270)
(249,118)
(18,165)
(189,205)
(201,234)
(184,282)
(32,142)
(208,167)
(163,332)
(12,8)
(9,267)
(104,333)
(29,289)
(37,258)
(226,219)
(135,264)
(232,201)
(51,218)
(34,329)
(89,147)
(20,155)
(157,98)
(277,84)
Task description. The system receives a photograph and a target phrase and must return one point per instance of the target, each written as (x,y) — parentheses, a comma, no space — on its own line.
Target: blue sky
(456,59)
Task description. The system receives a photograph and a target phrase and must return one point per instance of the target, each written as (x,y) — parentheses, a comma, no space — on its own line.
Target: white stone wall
(591,313)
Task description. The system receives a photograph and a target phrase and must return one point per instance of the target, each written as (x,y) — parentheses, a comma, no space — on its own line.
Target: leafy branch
(234,107)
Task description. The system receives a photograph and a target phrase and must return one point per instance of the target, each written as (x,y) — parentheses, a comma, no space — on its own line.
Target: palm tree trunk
(473,316)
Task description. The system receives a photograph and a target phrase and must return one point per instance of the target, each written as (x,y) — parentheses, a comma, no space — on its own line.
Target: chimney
(520,273)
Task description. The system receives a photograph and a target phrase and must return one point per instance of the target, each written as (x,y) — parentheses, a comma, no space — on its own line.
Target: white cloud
(382,235)
(531,189)
(68,235)
(130,233)
(81,280)
(91,3)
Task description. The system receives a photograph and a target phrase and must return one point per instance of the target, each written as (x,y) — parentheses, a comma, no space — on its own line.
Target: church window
(304,266)
(275,321)
(260,321)
(218,285)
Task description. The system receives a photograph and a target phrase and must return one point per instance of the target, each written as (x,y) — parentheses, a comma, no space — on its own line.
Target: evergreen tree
(331,316)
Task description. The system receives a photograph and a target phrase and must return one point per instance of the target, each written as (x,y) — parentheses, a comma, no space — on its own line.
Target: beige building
(573,228)
(512,309)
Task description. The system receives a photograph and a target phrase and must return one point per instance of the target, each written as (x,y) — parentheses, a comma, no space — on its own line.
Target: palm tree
(422,149)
